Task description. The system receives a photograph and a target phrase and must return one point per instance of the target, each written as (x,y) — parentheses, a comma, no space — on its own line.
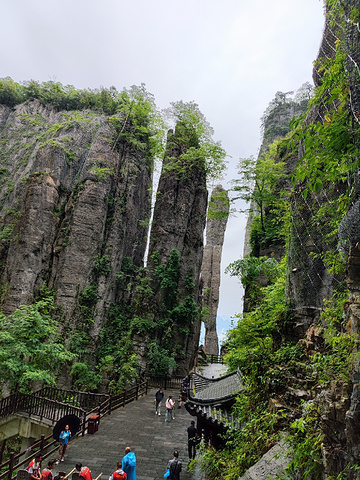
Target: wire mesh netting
(316,235)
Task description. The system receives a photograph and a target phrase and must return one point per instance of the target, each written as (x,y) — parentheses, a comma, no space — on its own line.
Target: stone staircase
(150,438)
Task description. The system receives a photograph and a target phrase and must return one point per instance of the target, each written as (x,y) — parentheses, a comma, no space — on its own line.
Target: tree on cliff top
(198,135)
(258,181)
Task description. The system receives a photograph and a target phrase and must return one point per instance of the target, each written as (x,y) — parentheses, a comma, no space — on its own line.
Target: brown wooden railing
(47,445)
(205,359)
(165,381)
(215,359)
(35,405)
(84,400)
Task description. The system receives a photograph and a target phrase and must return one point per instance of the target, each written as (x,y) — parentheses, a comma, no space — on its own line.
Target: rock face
(210,271)
(271,465)
(73,204)
(178,225)
(311,282)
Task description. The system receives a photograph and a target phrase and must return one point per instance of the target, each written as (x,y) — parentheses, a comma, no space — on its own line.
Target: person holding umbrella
(64,438)
(63,431)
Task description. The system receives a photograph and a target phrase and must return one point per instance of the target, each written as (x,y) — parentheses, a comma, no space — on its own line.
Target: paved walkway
(214,370)
(150,438)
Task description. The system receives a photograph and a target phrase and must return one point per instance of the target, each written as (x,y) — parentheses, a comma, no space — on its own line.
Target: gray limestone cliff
(210,272)
(311,279)
(74,202)
(75,205)
(176,242)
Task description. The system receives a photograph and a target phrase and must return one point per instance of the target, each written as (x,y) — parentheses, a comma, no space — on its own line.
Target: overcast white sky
(229,56)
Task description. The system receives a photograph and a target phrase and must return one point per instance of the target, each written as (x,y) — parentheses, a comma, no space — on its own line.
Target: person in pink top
(169,404)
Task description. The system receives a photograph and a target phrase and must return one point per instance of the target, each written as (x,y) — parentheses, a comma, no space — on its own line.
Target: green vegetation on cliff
(62,151)
(31,348)
(296,345)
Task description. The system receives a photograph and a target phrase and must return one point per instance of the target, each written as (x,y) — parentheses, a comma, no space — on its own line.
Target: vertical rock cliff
(322,279)
(218,213)
(74,201)
(176,245)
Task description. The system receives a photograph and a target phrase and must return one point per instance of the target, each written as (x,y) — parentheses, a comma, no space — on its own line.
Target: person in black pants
(192,436)
(174,466)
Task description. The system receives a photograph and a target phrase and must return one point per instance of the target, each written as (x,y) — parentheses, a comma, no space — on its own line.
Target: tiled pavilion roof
(214,398)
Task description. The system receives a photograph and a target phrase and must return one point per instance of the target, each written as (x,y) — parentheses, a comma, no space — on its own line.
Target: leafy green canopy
(260,185)
(197,136)
(59,96)
(330,146)
(137,107)
(259,180)
(31,348)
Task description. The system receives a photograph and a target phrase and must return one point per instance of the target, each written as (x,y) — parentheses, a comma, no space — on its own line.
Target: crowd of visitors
(126,468)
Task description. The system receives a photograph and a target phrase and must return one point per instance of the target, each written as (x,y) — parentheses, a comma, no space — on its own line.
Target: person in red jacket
(119,473)
(84,472)
(34,467)
(46,474)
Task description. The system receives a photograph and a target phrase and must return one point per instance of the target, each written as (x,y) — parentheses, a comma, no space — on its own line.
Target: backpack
(118,476)
(175,468)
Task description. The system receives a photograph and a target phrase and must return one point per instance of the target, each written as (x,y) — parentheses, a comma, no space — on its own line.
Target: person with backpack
(174,466)
(46,474)
(159,395)
(119,473)
(128,464)
(64,438)
(34,467)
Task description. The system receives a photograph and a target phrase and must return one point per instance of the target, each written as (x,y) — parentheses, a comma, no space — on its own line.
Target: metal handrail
(110,404)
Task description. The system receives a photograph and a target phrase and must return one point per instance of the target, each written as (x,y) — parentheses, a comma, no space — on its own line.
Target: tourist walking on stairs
(64,438)
(192,438)
(129,464)
(174,466)
(119,473)
(159,395)
(169,404)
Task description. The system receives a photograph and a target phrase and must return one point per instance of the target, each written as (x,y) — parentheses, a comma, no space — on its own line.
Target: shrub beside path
(150,438)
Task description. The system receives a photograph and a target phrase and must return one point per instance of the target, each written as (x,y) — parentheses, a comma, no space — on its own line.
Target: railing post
(137,392)
(124,399)
(11,465)
(99,410)
(110,405)
(84,423)
(42,442)
(42,405)
(146,387)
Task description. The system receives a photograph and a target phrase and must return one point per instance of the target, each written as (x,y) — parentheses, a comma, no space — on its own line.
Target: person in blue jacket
(128,464)
(64,438)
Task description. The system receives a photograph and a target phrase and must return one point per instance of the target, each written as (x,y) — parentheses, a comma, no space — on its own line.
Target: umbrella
(72,420)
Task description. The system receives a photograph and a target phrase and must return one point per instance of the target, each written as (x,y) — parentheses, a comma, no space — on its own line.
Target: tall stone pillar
(178,225)
(210,272)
